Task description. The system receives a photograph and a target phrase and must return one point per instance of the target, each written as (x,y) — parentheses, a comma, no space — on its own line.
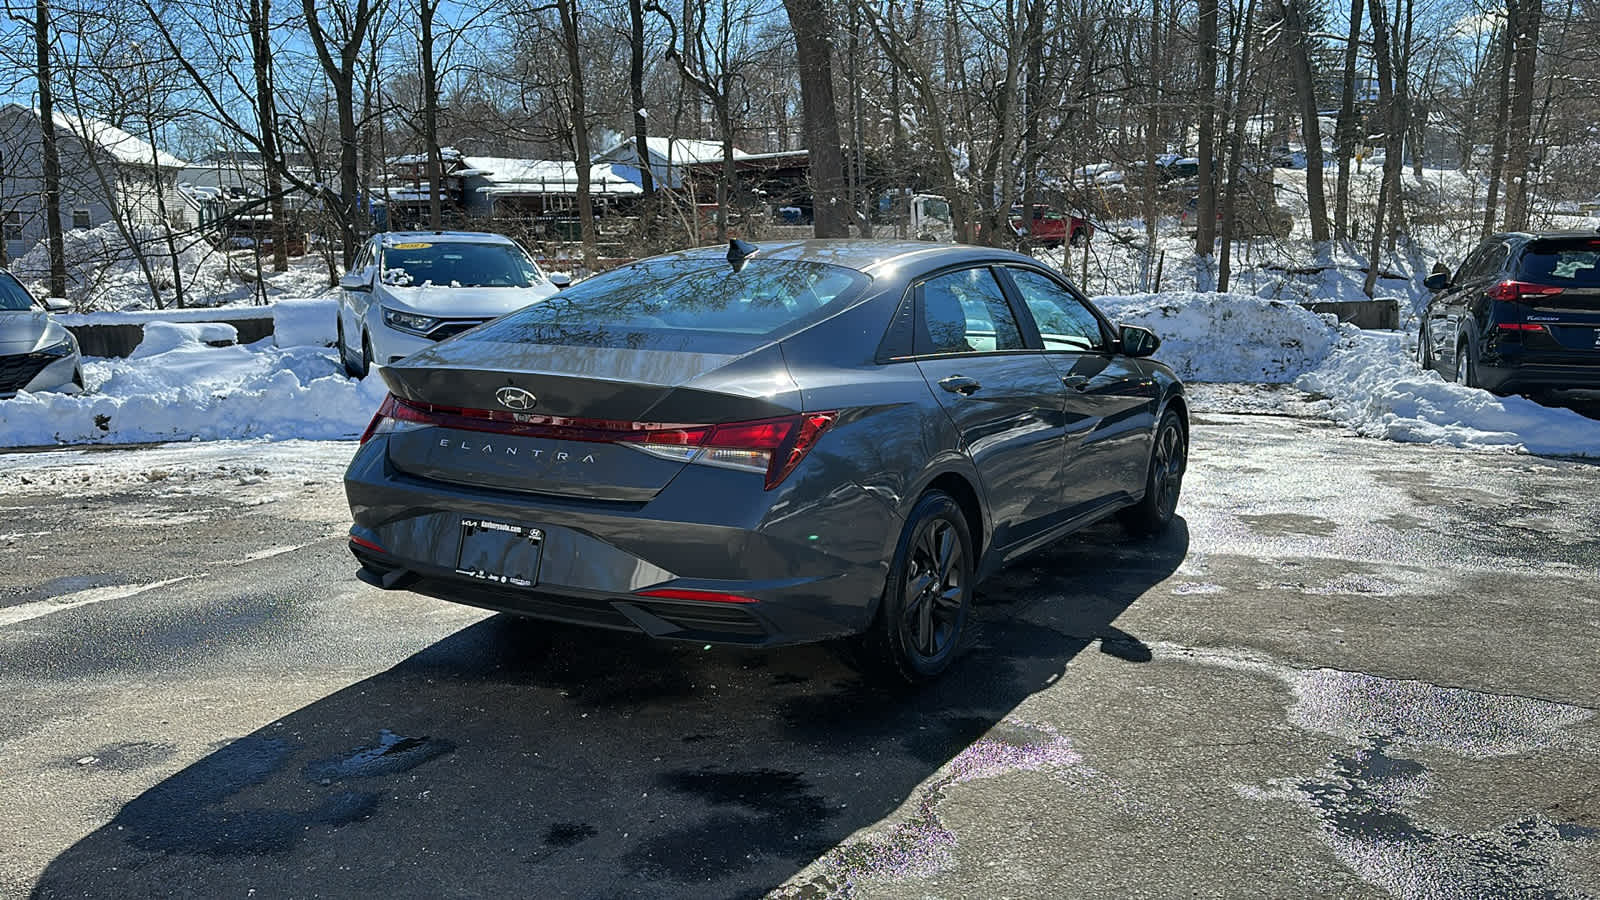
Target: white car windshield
(458,264)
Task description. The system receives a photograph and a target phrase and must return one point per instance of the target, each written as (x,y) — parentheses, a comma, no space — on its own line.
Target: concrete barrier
(1381,314)
(120,337)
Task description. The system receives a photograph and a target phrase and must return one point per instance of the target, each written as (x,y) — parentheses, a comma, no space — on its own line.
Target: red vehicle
(1051,229)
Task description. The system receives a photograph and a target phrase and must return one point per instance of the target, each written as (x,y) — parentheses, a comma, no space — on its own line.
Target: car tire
(344,351)
(1169,459)
(1466,369)
(926,603)
(1080,238)
(366,356)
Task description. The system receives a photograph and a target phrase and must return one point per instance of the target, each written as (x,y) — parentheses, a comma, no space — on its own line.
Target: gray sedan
(36,353)
(787,443)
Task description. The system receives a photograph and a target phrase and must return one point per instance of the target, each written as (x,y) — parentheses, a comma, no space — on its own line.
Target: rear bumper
(1506,378)
(812,577)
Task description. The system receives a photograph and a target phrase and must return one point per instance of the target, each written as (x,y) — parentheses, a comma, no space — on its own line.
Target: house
(105,171)
(238,171)
(670,159)
(500,188)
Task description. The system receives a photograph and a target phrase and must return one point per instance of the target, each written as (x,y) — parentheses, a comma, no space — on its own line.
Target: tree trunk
(267,121)
(340,73)
(1381,37)
(52,157)
(1295,40)
(1348,126)
(1526,27)
(1230,200)
(1502,112)
(820,111)
(1152,146)
(1206,208)
(430,113)
(580,127)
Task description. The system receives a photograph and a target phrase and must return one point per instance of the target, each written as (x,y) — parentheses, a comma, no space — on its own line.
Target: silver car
(410,289)
(36,352)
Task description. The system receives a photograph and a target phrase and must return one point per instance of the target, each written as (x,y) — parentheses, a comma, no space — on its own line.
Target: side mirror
(57,304)
(1138,341)
(355,282)
(560,279)
(1436,282)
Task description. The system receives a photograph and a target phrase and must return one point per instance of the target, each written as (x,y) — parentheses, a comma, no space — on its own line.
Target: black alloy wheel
(1169,459)
(929,594)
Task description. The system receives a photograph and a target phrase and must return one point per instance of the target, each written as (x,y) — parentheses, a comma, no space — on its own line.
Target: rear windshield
(1569,265)
(457,264)
(684,303)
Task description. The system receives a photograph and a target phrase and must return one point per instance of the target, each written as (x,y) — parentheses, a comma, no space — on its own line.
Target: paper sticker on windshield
(414,245)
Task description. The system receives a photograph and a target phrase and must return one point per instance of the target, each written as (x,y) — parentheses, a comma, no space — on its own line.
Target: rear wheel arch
(966,496)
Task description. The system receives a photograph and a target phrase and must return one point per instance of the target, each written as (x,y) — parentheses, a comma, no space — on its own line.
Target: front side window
(965,312)
(1065,323)
(13,296)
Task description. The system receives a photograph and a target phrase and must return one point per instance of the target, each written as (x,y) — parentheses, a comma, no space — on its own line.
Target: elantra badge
(515,398)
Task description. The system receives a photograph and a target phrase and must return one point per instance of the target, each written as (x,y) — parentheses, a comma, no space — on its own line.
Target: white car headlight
(409,322)
(61,348)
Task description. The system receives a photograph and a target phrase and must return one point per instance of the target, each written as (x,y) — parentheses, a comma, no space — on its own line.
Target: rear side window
(684,303)
(966,312)
(1568,266)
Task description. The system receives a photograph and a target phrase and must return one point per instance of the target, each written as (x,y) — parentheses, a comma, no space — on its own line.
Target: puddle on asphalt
(1362,799)
(391,755)
(923,845)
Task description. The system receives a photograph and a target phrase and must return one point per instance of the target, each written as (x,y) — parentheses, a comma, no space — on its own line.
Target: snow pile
(163,337)
(189,390)
(304,323)
(1228,337)
(1374,387)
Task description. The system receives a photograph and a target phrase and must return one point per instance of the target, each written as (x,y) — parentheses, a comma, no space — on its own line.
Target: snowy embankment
(1373,386)
(1365,380)
(176,386)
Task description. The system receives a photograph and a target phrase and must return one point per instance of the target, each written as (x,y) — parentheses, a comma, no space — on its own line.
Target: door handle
(960,384)
(1076,382)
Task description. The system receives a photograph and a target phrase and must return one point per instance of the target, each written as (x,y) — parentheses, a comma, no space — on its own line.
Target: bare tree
(338,44)
(1296,40)
(51,152)
(812,26)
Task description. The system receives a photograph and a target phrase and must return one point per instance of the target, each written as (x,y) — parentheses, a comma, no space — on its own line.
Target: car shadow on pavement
(515,758)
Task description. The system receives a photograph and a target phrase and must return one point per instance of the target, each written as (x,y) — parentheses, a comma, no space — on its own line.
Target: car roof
(871,256)
(444,237)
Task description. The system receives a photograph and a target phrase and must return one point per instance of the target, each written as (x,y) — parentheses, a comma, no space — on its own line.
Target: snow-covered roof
(679,151)
(446,154)
(121,145)
(508,176)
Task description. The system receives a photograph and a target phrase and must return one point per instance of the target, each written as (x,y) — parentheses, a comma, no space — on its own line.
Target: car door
(1110,399)
(353,304)
(1004,398)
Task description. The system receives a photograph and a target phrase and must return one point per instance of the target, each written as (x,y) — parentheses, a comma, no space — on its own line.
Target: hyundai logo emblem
(515,398)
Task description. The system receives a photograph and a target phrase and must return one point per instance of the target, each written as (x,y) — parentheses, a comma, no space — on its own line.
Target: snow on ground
(183,389)
(103,272)
(1374,386)
(1228,337)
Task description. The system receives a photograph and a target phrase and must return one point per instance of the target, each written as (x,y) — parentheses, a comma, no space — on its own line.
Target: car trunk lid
(600,423)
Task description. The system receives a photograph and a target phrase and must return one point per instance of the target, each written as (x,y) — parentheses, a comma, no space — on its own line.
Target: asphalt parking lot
(1354,669)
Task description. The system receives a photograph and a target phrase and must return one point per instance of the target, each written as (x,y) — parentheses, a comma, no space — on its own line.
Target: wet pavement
(1354,669)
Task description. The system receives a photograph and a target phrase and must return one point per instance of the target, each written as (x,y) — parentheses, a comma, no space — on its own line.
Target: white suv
(409,289)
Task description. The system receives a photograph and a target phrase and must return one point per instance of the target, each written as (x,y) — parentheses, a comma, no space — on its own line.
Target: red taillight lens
(1519,326)
(687,594)
(770,446)
(1520,291)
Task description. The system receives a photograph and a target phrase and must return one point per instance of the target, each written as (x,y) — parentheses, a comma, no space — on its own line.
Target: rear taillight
(1519,326)
(770,446)
(702,596)
(393,416)
(1520,291)
(773,447)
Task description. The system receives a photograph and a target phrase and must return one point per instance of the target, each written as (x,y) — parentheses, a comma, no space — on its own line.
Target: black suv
(1521,315)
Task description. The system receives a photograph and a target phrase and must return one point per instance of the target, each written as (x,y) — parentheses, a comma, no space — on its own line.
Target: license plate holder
(499,552)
